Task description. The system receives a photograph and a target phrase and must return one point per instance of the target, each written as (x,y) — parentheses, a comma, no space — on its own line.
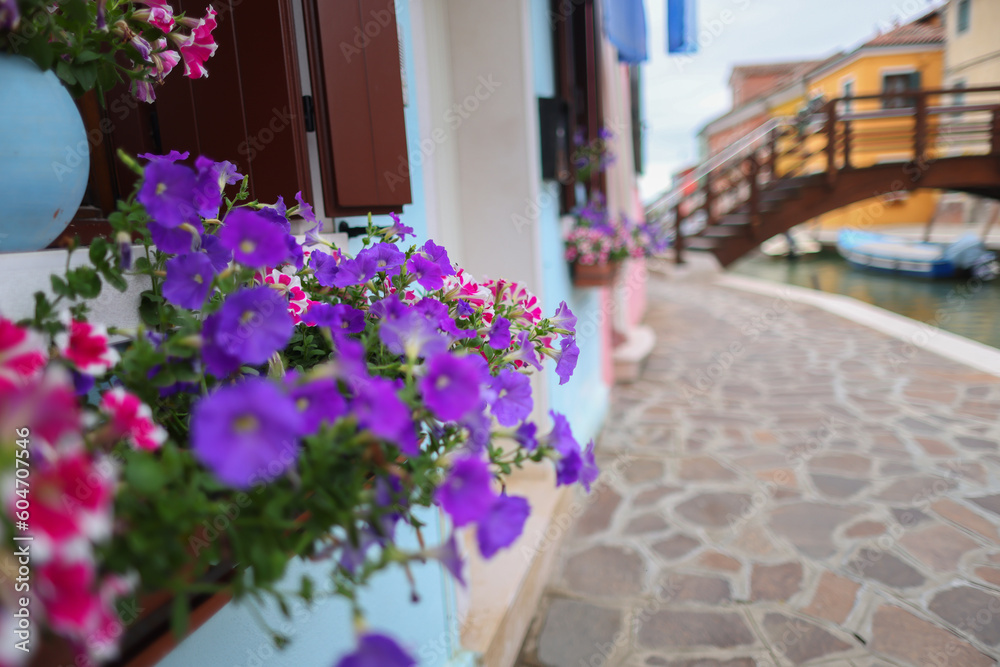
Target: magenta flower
(86,346)
(161,17)
(451,386)
(499,335)
(254,240)
(22,357)
(566,362)
(252,325)
(132,419)
(197,48)
(189,280)
(502,525)
(168,193)
(467,493)
(513,400)
(377,650)
(142,91)
(245,433)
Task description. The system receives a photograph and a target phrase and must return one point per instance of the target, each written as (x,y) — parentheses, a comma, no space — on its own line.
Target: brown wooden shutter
(357,84)
(248,111)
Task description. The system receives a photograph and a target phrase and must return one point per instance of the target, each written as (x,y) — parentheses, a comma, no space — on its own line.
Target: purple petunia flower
(412,334)
(513,401)
(211,181)
(168,193)
(467,493)
(189,279)
(398,228)
(172,156)
(566,362)
(255,241)
(252,325)
(352,557)
(502,525)
(379,409)
(524,351)
(318,401)
(451,386)
(438,313)
(427,273)
(464,309)
(10,15)
(324,266)
(450,557)
(244,433)
(500,336)
(377,650)
(178,240)
(296,255)
(337,316)
(385,256)
(564,318)
(561,438)
(439,256)
(218,253)
(589,472)
(355,271)
(525,436)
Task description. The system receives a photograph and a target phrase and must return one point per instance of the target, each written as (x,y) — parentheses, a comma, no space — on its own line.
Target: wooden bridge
(789,171)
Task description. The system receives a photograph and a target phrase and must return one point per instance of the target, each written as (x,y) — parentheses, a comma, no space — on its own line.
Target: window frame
(963,19)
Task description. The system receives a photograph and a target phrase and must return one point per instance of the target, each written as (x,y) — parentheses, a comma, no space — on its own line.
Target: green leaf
(149,311)
(60,287)
(144,474)
(86,76)
(85,282)
(98,250)
(65,72)
(179,616)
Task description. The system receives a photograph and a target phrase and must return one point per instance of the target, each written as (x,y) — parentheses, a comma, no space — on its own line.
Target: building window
(898,83)
(958,99)
(847,90)
(964,10)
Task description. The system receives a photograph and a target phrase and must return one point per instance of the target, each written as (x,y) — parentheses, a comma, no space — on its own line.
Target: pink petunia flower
(199,46)
(132,419)
(86,346)
(22,356)
(161,16)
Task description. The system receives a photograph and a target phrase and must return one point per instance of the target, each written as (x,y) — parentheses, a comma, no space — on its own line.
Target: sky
(682,93)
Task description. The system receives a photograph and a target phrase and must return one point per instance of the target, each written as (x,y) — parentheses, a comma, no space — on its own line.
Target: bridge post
(678,237)
(754,201)
(709,200)
(847,145)
(920,129)
(831,143)
(772,147)
(995,134)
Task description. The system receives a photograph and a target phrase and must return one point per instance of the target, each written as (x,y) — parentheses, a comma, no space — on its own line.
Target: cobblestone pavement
(782,487)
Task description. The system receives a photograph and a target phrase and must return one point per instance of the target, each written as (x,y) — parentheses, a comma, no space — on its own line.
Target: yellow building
(972,48)
(902,58)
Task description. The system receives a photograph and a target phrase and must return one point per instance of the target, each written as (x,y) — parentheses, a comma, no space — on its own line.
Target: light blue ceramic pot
(44,156)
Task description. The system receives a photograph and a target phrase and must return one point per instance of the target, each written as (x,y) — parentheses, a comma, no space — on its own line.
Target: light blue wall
(584,398)
(321,633)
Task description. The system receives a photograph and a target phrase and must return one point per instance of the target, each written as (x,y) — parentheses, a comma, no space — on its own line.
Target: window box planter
(594,275)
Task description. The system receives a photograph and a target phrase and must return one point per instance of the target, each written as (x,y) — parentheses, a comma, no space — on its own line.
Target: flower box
(595,275)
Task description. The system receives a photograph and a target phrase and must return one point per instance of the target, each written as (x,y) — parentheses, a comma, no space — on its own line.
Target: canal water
(966,307)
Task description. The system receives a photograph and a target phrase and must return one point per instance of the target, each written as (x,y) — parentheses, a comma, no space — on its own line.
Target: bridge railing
(907,126)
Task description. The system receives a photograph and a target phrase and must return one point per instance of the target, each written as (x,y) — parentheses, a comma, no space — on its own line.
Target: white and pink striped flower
(22,356)
(132,419)
(86,346)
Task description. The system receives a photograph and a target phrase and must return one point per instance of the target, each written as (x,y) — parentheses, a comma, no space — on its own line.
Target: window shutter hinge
(309,113)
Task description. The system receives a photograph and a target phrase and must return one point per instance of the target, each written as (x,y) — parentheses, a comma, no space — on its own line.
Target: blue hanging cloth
(625,26)
(682,26)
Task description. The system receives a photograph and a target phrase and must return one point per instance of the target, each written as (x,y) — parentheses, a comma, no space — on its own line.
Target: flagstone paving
(782,487)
